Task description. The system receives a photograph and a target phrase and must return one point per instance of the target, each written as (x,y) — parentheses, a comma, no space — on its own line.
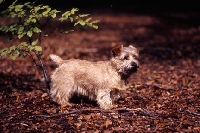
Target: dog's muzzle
(134,67)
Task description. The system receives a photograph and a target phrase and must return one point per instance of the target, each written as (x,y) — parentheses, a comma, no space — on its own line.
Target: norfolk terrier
(100,81)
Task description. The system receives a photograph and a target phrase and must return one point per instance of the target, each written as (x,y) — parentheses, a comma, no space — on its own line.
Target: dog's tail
(56,59)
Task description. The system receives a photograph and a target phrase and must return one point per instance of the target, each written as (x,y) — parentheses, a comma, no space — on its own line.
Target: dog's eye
(126,58)
(135,57)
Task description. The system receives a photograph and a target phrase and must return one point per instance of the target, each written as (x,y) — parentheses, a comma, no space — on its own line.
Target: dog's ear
(116,51)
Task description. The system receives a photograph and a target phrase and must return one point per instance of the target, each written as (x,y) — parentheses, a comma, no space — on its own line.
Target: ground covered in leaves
(163,96)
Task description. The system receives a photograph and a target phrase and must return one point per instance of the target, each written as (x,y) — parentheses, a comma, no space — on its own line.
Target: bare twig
(143,111)
(189,112)
(42,68)
(68,113)
(157,86)
(44,72)
(78,111)
(31,57)
(41,28)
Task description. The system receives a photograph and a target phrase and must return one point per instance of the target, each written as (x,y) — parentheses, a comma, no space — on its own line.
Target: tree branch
(41,28)
(44,72)
(78,111)
(41,66)
(189,112)
(31,57)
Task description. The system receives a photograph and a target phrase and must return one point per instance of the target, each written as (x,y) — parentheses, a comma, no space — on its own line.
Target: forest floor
(163,96)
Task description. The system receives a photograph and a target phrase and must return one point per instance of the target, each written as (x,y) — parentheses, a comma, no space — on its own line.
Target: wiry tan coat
(93,79)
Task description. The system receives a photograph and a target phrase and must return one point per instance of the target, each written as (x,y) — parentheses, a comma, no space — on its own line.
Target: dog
(100,81)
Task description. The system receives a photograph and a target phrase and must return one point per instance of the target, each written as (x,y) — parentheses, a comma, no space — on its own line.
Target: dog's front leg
(104,100)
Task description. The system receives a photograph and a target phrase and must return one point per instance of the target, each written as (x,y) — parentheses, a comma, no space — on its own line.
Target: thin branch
(41,28)
(193,113)
(47,81)
(156,86)
(78,111)
(42,68)
(189,112)
(30,42)
(31,57)
(44,72)
(143,111)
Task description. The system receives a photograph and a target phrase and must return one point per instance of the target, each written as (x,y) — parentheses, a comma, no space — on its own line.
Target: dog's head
(125,59)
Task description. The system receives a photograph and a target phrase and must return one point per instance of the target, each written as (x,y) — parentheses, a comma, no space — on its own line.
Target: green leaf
(66,14)
(18,7)
(36,30)
(83,15)
(36,9)
(61,19)
(21,28)
(53,15)
(87,20)
(14,54)
(74,10)
(12,48)
(1,1)
(12,27)
(12,15)
(34,42)
(95,21)
(30,33)
(4,51)
(30,47)
(38,48)
(21,45)
(45,13)
(81,22)
(33,20)
(27,3)
(71,19)
(14,2)
(95,26)
(20,35)
(76,23)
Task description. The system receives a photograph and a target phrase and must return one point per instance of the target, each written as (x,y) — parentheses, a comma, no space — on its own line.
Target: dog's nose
(135,66)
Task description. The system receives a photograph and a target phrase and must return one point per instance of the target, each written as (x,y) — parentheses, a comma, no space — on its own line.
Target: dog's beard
(128,68)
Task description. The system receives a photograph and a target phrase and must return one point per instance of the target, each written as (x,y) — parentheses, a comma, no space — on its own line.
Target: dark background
(141,6)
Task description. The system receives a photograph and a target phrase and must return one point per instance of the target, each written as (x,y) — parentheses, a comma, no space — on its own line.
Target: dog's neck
(114,64)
